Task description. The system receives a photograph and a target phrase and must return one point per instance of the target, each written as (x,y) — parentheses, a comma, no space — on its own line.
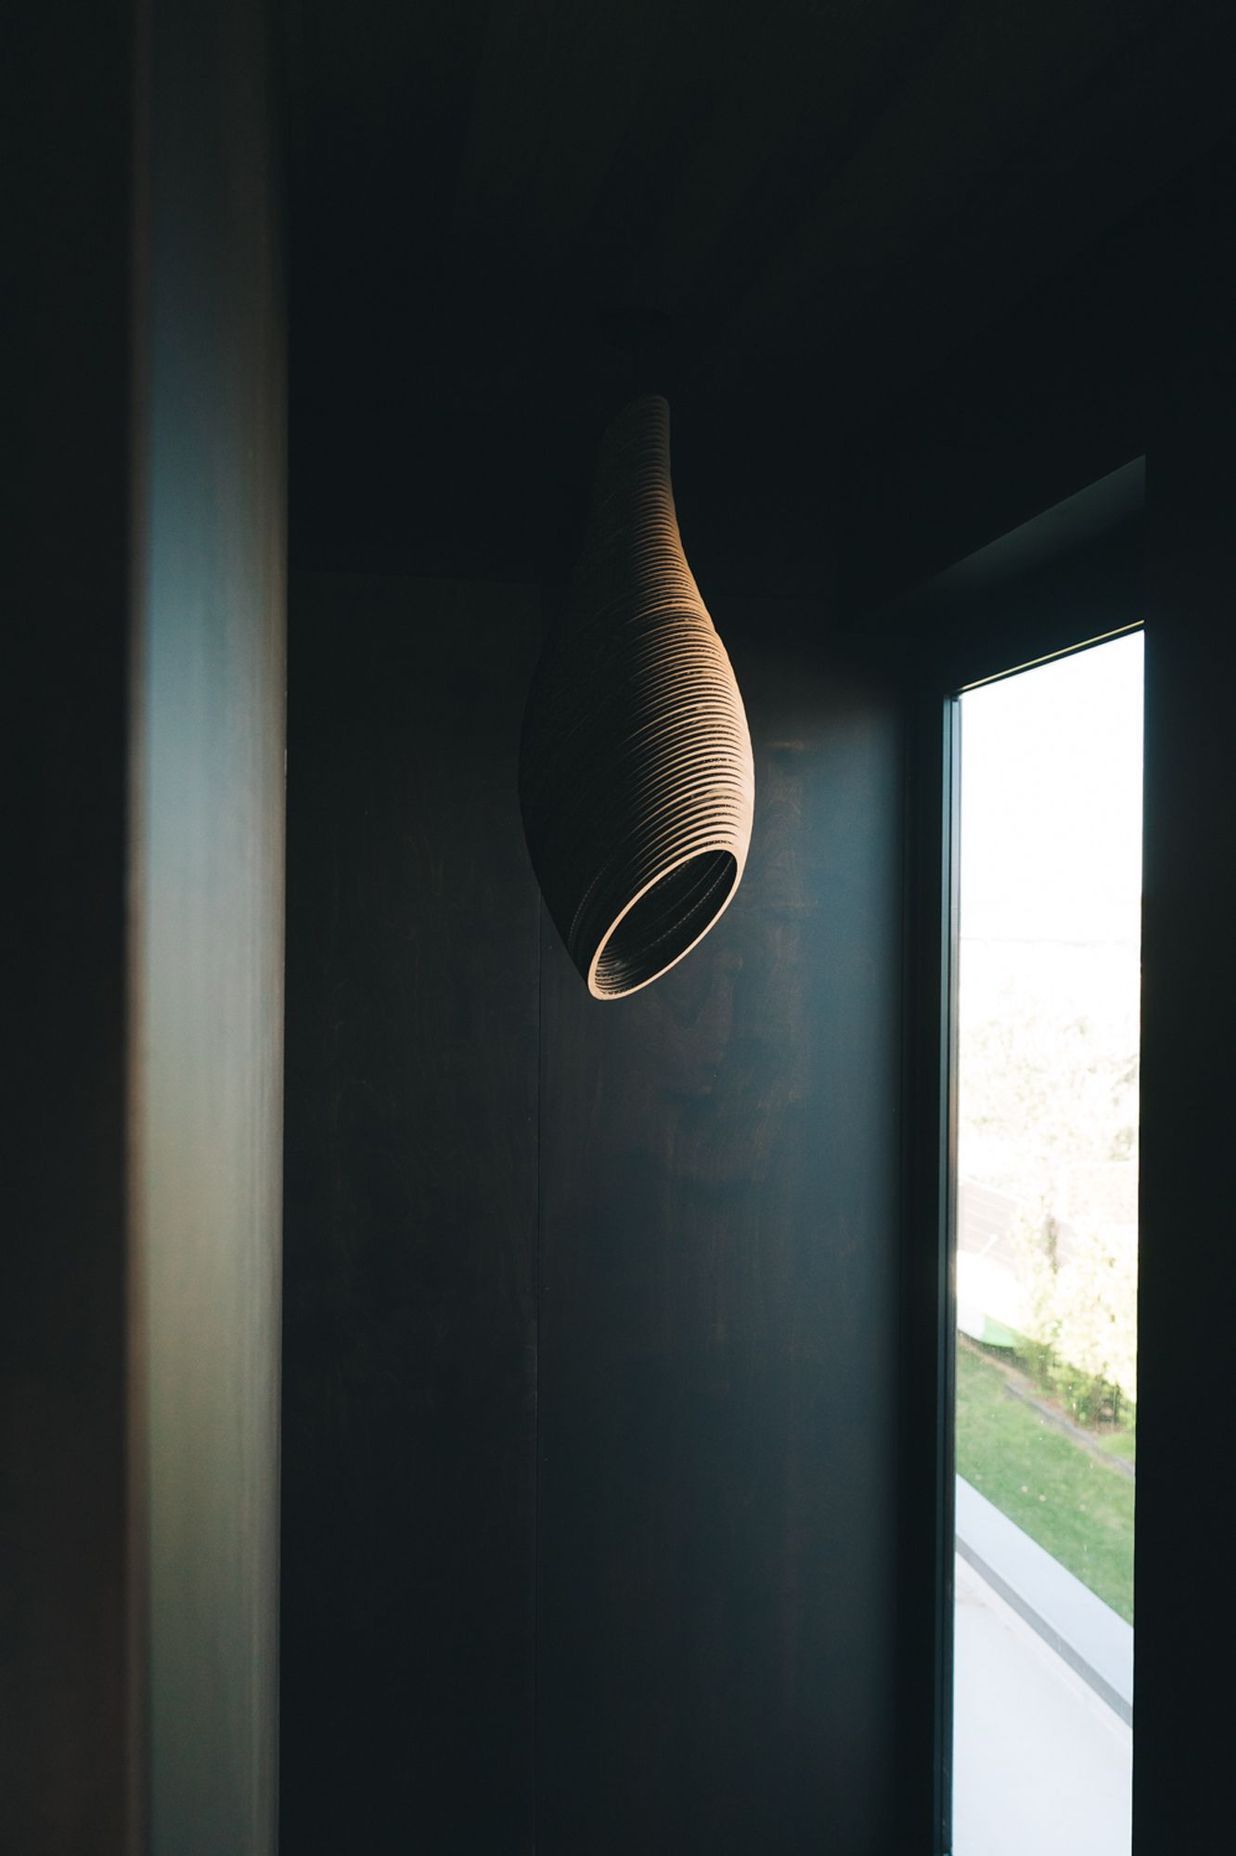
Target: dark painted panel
(719,1363)
(206,955)
(145,1125)
(409,1390)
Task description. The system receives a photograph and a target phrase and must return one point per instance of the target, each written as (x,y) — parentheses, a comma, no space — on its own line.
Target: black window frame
(1069,579)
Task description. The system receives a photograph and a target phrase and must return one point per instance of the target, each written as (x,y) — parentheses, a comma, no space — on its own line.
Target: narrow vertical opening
(1045,1247)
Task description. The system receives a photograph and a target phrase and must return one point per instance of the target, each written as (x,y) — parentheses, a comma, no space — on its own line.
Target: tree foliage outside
(1048,1042)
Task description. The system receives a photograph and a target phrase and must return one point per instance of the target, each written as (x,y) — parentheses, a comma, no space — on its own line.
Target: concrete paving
(1042,1766)
(1086,1632)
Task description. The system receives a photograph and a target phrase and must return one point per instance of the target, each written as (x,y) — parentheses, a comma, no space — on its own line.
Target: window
(1044,1227)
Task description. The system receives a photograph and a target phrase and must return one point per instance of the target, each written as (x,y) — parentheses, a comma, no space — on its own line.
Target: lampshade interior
(663,923)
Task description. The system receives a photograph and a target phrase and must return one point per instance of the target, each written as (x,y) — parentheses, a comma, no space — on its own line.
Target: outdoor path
(1040,1763)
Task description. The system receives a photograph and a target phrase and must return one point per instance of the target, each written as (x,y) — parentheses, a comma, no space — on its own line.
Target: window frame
(1063,582)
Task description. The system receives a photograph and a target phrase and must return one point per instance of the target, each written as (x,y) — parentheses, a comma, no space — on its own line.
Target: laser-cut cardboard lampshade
(636,780)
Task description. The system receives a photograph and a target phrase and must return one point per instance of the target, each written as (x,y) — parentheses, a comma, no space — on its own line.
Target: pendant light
(636,778)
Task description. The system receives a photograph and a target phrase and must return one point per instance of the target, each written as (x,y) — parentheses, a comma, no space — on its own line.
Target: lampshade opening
(636,782)
(663,923)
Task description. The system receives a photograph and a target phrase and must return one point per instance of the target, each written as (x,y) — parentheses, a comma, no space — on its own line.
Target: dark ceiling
(820,204)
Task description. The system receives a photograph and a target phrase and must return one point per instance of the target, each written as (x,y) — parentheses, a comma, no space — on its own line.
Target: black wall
(1186,1514)
(668,1614)
(611,1330)
(67,1754)
(718,1307)
(411,1176)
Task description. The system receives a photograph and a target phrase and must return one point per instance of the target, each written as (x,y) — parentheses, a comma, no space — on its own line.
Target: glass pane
(1046,1245)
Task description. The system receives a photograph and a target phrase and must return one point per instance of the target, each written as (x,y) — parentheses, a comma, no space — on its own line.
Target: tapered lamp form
(636,780)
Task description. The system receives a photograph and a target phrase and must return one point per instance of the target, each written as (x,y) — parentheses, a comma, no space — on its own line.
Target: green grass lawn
(1063,1496)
